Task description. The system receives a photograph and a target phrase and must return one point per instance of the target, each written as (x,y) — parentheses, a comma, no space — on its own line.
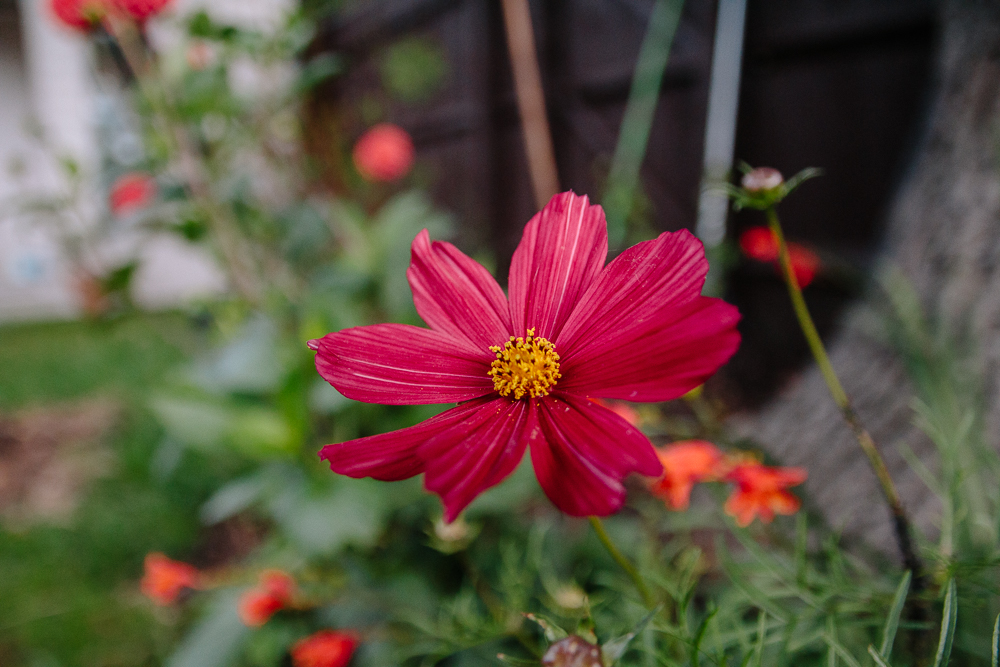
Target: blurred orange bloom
(326,648)
(164,578)
(384,153)
(762,491)
(131,192)
(685,464)
(272,594)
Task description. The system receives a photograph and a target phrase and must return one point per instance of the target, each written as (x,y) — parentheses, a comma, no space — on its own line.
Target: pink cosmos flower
(523,368)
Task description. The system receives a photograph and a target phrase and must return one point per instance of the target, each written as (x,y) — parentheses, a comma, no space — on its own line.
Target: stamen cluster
(527,365)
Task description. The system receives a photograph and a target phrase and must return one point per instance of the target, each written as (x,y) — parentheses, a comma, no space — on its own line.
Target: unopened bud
(573,652)
(762,179)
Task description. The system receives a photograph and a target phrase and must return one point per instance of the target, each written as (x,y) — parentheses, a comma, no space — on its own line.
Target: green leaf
(892,620)
(948,617)
(837,648)
(517,662)
(758,649)
(699,635)
(879,660)
(615,648)
(215,639)
(996,643)
(553,632)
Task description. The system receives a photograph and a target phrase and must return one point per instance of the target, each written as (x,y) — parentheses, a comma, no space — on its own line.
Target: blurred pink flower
(131,192)
(164,578)
(384,153)
(326,648)
(140,10)
(79,14)
(523,368)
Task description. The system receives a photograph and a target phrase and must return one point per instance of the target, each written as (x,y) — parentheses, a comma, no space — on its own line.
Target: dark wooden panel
(835,84)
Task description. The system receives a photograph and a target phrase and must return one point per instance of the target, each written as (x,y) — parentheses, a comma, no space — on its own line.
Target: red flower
(522,369)
(131,192)
(384,153)
(273,594)
(140,10)
(164,579)
(325,648)
(761,244)
(805,263)
(761,491)
(685,464)
(79,14)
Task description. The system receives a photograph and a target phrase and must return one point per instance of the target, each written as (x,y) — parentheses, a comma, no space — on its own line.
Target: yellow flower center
(526,365)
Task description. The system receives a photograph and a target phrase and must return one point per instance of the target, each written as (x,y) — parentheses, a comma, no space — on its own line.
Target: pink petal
(399,364)
(658,358)
(581,453)
(393,456)
(454,294)
(561,253)
(644,279)
(469,458)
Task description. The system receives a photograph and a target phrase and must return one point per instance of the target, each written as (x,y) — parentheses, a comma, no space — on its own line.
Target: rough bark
(944,233)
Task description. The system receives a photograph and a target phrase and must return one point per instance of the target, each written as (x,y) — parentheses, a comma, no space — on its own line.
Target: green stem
(900,519)
(620,558)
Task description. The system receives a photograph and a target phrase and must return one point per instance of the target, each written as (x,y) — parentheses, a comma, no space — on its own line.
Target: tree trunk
(944,234)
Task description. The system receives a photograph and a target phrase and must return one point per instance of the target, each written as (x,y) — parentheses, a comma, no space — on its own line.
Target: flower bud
(762,179)
(573,652)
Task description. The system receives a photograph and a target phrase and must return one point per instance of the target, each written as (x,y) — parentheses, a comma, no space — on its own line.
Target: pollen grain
(527,366)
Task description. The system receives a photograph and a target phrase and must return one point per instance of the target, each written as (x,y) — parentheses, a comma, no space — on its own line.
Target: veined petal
(399,364)
(644,279)
(477,453)
(581,453)
(456,295)
(393,456)
(563,250)
(656,359)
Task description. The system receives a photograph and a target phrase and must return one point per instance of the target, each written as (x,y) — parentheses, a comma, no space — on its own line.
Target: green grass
(68,593)
(49,362)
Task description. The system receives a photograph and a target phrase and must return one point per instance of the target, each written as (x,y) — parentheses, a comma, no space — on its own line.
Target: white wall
(45,77)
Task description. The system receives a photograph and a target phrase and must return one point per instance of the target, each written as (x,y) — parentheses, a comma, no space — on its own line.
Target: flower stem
(901,522)
(620,558)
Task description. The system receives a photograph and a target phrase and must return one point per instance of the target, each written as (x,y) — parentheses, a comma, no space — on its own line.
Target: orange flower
(326,648)
(165,578)
(273,594)
(685,464)
(762,491)
(384,153)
